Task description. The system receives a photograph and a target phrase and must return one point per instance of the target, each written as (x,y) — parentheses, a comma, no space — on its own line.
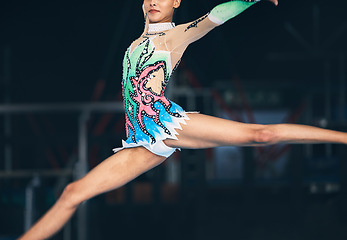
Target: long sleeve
(185,34)
(226,11)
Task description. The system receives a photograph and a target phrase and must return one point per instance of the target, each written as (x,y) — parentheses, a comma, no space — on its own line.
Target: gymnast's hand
(274,2)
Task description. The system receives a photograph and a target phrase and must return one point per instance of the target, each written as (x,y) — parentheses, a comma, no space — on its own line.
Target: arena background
(60,115)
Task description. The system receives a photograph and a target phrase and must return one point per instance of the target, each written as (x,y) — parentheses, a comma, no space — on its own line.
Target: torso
(147,67)
(162,43)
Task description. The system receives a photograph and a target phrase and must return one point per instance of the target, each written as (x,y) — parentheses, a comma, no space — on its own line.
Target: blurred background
(61,114)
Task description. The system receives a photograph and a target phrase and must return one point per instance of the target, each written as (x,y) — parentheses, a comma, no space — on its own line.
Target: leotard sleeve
(226,11)
(184,34)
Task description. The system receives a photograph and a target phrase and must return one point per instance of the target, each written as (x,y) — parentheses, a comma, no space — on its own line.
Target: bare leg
(204,131)
(201,131)
(112,173)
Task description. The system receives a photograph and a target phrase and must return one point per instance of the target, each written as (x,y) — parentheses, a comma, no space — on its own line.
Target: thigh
(203,131)
(117,170)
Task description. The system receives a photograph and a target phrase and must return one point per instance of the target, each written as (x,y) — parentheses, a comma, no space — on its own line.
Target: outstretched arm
(187,33)
(228,10)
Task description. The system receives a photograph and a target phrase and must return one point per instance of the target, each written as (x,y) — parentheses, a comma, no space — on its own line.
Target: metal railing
(81,167)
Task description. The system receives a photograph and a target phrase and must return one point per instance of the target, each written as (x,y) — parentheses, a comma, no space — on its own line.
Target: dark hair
(174,14)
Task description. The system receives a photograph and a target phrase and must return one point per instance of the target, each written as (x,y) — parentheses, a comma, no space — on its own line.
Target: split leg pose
(157,126)
(112,173)
(201,131)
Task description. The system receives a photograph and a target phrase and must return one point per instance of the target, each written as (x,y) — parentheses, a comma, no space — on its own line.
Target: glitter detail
(160,27)
(149,114)
(195,23)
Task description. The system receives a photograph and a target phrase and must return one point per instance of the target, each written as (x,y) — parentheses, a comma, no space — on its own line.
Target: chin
(157,19)
(154,21)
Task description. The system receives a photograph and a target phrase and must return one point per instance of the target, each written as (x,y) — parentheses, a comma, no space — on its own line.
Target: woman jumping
(156,126)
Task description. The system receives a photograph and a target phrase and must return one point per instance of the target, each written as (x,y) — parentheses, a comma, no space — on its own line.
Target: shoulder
(201,24)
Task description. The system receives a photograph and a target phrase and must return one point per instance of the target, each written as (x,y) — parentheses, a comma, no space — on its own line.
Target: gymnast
(155,126)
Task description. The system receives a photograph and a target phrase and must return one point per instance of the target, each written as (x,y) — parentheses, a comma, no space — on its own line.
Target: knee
(265,134)
(70,196)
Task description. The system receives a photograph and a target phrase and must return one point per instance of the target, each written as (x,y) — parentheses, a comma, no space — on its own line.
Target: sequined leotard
(147,67)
